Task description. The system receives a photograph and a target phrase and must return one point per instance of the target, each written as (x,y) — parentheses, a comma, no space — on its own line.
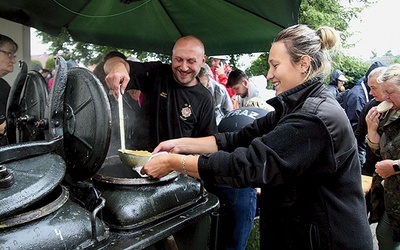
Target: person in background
(46,74)
(222,101)
(303,155)
(244,89)
(8,48)
(384,139)
(237,205)
(369,159)
(71,64)
(355,99)
(221,70)
(336,84)
(51,79)
(341,81)
(175,104)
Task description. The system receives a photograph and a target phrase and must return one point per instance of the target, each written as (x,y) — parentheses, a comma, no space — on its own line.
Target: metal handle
(27,149)
(121,119)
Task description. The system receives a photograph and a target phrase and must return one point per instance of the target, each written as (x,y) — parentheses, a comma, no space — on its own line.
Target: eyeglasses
(9,54)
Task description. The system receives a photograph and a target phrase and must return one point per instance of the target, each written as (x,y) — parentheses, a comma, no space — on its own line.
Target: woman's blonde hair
(300,40)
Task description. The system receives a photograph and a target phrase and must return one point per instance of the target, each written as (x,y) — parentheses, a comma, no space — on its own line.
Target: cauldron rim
(114,162)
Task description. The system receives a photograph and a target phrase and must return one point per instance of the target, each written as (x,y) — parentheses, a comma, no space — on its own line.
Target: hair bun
(329,37)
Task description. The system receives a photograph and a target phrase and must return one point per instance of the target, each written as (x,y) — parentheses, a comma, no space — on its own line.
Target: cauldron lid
(35,178)
(86,124)
(27,98)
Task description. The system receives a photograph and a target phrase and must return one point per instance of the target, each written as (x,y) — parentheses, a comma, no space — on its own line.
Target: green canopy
(225,27)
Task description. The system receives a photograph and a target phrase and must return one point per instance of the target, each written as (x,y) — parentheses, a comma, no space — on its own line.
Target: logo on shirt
(186,112)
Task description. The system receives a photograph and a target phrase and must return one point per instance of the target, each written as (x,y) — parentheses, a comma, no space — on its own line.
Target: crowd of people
(383,139)
(306,148)
(304,189)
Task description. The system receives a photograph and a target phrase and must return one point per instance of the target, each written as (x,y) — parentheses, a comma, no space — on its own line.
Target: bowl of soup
(134,158)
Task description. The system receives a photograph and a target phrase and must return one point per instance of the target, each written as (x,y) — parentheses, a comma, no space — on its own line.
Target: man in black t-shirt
(175,104)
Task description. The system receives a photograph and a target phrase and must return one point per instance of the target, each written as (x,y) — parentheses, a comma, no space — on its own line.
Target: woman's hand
(384,168)
(181,145)
(167,146)
(163,164)
(160,165)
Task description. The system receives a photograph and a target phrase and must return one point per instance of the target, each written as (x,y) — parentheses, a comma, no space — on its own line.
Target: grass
(254,240)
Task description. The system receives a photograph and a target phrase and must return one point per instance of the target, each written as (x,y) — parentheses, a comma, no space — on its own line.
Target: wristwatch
(396,166)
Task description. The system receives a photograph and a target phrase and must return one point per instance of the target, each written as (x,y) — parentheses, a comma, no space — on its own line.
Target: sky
(378,31)
(37,48)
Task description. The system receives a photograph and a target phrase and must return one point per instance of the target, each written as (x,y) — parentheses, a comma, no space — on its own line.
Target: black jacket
(371,158)
(4,92)
(355,99)
(333,83)
(304,157)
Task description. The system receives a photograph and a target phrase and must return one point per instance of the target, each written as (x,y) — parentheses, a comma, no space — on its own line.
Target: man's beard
(183,83)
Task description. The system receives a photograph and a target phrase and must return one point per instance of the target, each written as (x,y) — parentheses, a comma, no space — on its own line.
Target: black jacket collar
(292,99)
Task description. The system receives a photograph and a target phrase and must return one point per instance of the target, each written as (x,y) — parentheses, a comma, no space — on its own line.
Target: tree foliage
(88,53)
(259,66)
(353,68)
(316,13)
(396,59)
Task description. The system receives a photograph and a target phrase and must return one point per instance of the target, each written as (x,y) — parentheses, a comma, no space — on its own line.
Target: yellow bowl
(134,158)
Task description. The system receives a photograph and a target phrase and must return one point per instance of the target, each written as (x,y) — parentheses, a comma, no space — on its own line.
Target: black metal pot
(55,222)
(87,193)
(36,211)
(134,202)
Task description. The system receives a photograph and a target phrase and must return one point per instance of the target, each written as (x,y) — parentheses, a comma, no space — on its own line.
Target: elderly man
(222,101)
(368,159)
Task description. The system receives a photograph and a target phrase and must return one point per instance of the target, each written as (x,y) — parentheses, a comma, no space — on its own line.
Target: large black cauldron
(36,211)
(96,201)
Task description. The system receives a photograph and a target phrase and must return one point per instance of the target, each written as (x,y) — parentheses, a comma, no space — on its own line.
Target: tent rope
(99,16)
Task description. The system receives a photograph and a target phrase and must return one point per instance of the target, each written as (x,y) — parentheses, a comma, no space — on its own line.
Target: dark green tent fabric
(225,27)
